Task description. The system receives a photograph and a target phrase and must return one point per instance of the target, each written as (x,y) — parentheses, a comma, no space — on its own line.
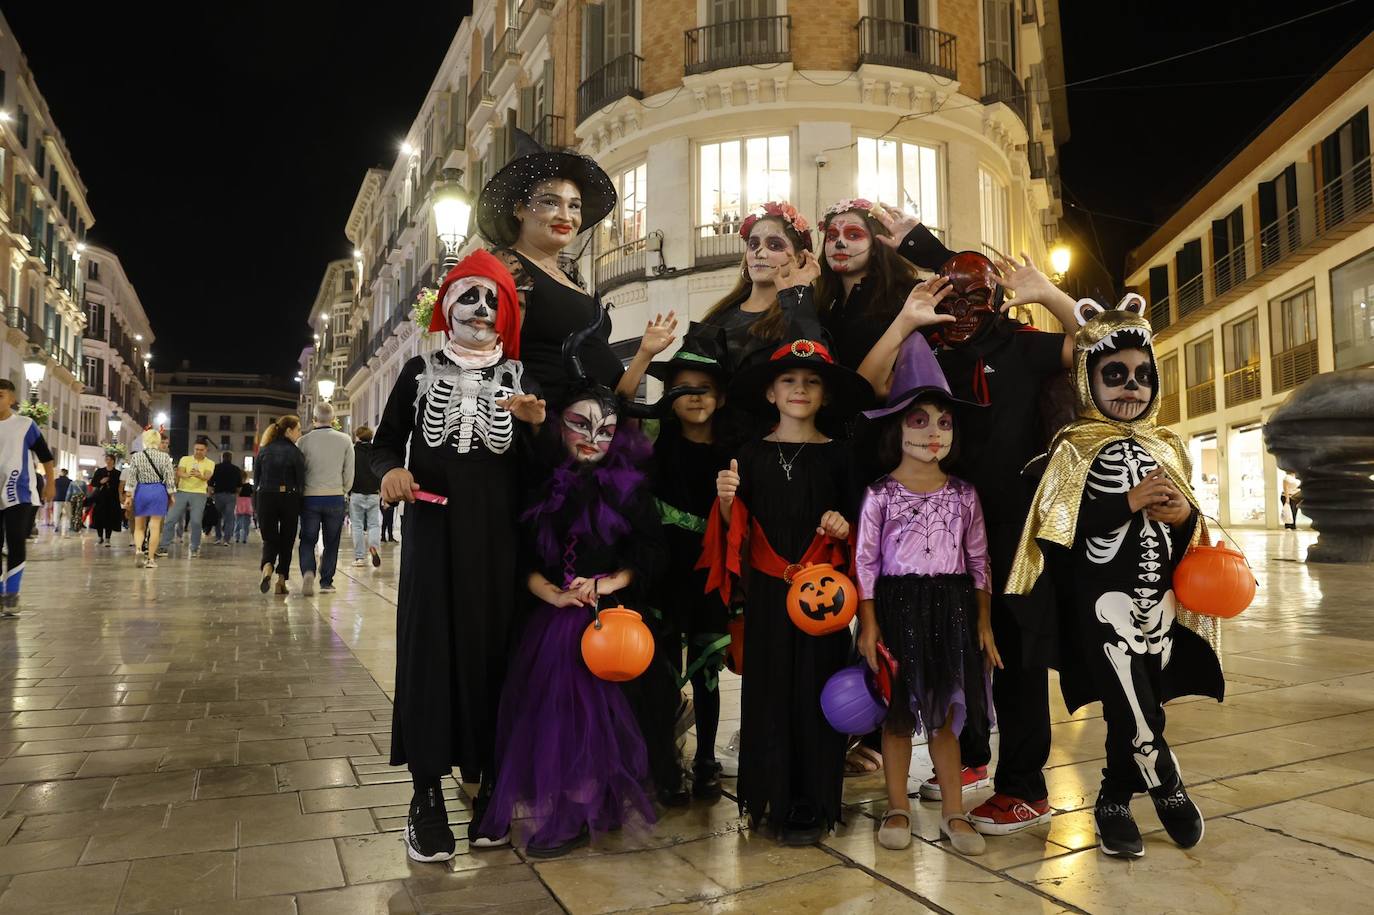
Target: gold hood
(1054,512)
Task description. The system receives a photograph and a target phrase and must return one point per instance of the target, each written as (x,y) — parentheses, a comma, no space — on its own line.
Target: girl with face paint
(922,571)
(454,426)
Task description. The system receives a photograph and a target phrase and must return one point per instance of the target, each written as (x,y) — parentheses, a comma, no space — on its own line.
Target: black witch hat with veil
(517,178)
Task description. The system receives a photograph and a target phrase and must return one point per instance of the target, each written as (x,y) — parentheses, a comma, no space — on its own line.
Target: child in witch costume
(570,753)
(1112,517)
(791,495)
(688,454)
(921,566)
(457,413)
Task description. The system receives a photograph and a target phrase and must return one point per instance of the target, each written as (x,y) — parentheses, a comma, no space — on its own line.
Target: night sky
(222,145)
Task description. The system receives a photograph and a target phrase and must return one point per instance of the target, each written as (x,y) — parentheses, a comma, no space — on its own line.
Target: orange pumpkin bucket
(821,599)
(1214,580)
(617,646)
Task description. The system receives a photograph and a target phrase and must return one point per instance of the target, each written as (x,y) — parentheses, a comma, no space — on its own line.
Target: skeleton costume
(1105,615)
(455,604)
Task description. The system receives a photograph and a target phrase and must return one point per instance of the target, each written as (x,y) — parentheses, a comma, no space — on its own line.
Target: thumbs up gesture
(727,482)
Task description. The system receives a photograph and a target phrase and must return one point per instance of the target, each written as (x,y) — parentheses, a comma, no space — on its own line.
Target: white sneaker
(195,554)
(150,564)
(308,584)
(359,563)
(141,560)
(728,757)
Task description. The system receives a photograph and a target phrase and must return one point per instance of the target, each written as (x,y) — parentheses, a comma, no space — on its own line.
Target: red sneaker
(1001,815)
(973,777)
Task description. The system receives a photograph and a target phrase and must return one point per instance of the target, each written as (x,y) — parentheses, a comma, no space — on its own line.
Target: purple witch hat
(916,373)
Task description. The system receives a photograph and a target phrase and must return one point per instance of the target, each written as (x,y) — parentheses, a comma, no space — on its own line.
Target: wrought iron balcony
(1035,155)
(528,9)
(620,265)
(548,130)
(480,93)
(616,80)
(1000,84)
(717,243)
(504,51)
(908,45)
(738,43)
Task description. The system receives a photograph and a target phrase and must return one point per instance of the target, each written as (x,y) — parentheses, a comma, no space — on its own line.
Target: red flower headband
(779,210)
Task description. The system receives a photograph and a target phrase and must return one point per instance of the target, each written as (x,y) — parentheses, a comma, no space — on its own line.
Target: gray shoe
(965,843)
(307,583)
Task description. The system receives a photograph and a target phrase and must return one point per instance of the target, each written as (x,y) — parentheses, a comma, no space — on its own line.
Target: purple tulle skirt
(569,752)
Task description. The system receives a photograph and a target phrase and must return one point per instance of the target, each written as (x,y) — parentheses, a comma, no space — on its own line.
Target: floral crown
(784,211)
(845,206)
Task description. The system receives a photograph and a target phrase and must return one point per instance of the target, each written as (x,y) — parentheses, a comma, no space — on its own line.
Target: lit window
(625,223)
(739,176)
(993,208)
(905,175)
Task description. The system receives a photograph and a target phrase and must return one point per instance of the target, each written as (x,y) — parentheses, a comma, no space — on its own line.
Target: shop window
(1352,312)
(901,174)
(994,208)
(1241,358)
(738,176)
(1202,396)
(1206,468)
(1245,475)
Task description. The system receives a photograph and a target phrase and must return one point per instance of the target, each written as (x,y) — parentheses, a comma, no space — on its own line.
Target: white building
(116,356)
(226,410)
(331,324)
(43,221)
(702,111)
(1262,279)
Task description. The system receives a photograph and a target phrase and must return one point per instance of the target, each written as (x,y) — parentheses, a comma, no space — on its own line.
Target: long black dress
(789,755)
(455,605)
(106,517)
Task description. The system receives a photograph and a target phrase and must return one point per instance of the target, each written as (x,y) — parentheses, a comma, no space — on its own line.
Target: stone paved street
(175,741)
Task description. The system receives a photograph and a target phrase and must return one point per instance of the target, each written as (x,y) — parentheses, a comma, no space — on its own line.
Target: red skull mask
(975,299)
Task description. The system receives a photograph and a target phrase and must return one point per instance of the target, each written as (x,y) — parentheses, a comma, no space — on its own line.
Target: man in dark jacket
(225,481)
(364,502)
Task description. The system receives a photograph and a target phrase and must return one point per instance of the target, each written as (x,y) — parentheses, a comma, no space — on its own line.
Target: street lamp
(161,419)
(326,388)
(113,424)
(1060,258)
(452,211)
(35,367)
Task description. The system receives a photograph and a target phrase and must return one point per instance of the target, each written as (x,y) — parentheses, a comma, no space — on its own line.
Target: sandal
(862,760)
(965,843)
(895,837)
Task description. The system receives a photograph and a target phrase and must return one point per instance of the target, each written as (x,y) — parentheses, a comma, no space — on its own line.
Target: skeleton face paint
(588,428)
(470,306)
(769,248)
(848,244)
(927,432)
(1123,383)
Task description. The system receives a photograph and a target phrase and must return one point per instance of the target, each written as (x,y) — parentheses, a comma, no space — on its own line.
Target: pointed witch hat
(917,372)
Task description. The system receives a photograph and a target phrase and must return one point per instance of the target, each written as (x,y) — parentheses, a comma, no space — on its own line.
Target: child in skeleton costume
(451,429)
(570,755)
(1112,517)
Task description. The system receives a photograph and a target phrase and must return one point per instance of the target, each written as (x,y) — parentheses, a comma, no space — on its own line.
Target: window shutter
(593,39)
(527,113)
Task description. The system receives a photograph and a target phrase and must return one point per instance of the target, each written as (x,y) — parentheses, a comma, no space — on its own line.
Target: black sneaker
(477,837)
(706,781)
(675,795)
(1181,818)
(428,836)
(1116,830)
(544,852)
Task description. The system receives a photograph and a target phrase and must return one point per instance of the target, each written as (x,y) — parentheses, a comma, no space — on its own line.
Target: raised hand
(659,334)
(803,270)
(919,309)
(898,223)
(524,407)
(1026,282)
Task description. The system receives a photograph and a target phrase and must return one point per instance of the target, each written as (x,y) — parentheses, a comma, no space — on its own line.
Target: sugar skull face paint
(1123,383)
(470,306)
(927,432)
(848,243)
(588,428)
(769,248)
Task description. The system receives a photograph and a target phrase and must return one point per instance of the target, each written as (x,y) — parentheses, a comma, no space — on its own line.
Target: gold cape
(1054,512)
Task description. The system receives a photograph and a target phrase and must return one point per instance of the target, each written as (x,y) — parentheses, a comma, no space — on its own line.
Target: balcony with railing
(1229,270)
(1242,385)
(1190,296)
(620,265)
(530,8)
(1292,367)
(1168,409)
(717,243)
(616,80)
(1202,399)
(1000,84)
(907,45)
(1158,314)
(505,50)
(548,130)
(1035,157)
(480,93)
(1345,195)
(737,43)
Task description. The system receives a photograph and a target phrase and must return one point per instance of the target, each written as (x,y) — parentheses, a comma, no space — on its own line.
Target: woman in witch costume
(532,210)
(792,494)
(570,753)
(458,412)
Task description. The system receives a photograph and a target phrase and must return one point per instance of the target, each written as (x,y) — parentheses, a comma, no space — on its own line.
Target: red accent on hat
(800,349)
(483,263)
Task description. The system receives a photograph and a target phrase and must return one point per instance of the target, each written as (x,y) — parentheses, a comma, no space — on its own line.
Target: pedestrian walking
(76,502)
(20,443)
(154,485)
(281,476)
(105,517)
(243,511)
(62,509)
(328,475)
(193,474)
(364,502)
(225,482)
(388,524)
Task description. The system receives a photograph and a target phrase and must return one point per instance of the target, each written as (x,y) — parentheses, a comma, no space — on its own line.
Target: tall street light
(326,388)
(114,423)
(35,367)
(1061,256)
(452,212)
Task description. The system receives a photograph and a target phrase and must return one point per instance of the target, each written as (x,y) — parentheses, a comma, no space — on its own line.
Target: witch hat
(703,350)
(917,372)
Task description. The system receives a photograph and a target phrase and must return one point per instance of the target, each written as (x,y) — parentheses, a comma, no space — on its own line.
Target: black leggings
(279,514)
(15,524)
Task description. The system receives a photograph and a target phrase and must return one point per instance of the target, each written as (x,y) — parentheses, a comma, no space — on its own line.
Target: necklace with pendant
(785,464)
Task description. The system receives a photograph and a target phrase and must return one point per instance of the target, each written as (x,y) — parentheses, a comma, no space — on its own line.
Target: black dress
(107,516)
(744,348)
(455,604)
(552,311)
(791,759)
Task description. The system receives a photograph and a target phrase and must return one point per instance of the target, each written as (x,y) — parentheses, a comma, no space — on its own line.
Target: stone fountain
(1324,433)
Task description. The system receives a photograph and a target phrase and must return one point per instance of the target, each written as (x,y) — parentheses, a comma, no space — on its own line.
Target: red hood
(483,263)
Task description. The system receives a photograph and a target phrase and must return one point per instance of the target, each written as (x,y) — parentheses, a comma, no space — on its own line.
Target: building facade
(116,358)
(42,236)
(1264,278)
(331,325)
(226,410)
(700,112)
